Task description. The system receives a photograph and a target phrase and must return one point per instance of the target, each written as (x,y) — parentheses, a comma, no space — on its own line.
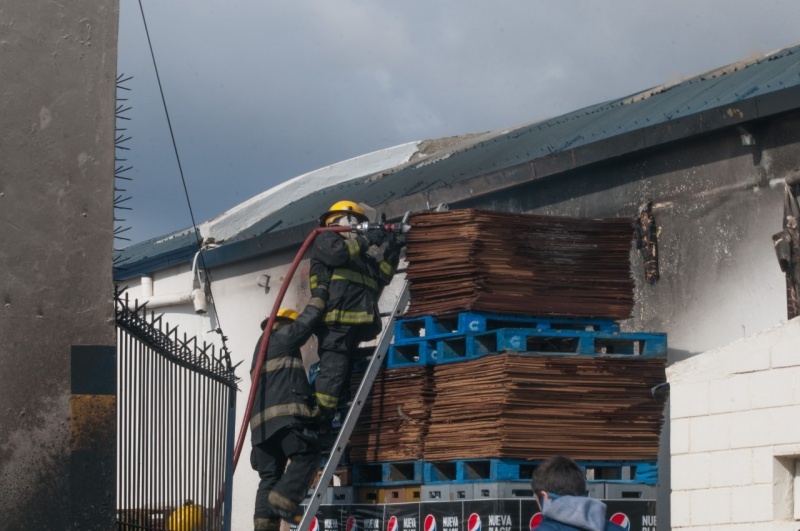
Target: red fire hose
(265,343)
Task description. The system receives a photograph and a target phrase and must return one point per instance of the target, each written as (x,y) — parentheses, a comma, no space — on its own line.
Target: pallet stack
(511,352)
(525,406)
(477,260)
(394,422)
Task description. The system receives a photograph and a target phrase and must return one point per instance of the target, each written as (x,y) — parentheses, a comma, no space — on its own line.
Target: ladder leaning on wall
(356,406)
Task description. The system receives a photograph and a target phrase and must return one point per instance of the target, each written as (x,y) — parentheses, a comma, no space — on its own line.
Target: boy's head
(560,476)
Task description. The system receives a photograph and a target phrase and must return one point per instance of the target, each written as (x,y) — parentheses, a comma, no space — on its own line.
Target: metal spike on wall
(121,168)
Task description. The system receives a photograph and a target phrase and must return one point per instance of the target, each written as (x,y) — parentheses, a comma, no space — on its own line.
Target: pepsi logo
(622,520)
(391,525)
(352,525)
(474,522)
(430,523)
(515,342)
(474,326)
(536,521)
(314,526)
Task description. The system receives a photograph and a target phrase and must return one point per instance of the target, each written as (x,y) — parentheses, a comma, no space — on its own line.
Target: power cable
(185,188)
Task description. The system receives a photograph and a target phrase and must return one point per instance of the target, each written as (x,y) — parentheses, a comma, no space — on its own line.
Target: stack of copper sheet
(534,406)
(519,264)
(394,421)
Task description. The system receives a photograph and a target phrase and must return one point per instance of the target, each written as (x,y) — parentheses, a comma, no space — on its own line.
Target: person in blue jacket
(560,490)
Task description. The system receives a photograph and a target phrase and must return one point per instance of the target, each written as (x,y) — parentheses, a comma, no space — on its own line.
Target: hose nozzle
(397,228)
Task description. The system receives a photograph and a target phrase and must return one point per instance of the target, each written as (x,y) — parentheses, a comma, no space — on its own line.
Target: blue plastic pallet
(523,340)
(547,342)
(411,354)
(478,470)
(435,327)
(387,474)
(455,348)
(494,470)
(578,342)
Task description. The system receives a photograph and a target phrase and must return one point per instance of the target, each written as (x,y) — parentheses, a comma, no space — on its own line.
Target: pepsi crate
(368,494)
(339,496)
(478,470)
(634,472)
(435,327)
(596,490)
(447,492)
(387,474)
(502,489)
(414,494)
(629,491)
(333,496)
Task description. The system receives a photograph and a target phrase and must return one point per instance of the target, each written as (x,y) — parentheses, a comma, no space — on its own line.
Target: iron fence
(175,426)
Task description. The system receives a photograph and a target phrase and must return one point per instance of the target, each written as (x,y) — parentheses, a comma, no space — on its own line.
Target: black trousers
(297,446)
(337,345)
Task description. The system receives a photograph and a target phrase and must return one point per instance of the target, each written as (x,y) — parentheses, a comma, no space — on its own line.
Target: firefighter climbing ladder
(356,406)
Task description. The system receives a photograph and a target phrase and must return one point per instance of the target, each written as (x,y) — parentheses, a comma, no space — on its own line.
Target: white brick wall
(734,411)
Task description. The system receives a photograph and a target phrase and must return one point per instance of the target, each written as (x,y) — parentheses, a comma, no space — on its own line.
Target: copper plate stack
(534,406)
(394,421)
(476,260)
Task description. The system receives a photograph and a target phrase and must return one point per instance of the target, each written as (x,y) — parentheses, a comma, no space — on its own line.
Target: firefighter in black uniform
(283,425)
(352,315)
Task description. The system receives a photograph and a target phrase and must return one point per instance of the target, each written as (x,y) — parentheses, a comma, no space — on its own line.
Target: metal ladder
(356,406)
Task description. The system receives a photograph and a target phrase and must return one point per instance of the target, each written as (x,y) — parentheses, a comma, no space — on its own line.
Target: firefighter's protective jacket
(287,399)
(356,281)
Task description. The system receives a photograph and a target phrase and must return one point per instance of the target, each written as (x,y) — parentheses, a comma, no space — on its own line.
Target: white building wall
(735,434)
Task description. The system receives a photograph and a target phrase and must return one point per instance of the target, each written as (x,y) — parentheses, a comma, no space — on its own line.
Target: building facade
(708,158)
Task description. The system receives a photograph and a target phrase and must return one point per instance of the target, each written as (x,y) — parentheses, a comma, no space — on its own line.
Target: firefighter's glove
(320,292)
(392,253)
(396,242)
(376,237)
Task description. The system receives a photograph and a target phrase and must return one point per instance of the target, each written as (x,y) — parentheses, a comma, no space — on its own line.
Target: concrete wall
(735,435)
(57,91)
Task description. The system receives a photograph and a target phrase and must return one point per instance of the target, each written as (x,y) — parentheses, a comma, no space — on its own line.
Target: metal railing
(176,405)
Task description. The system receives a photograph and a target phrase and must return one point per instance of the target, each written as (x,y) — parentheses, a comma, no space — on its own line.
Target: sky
(260,91)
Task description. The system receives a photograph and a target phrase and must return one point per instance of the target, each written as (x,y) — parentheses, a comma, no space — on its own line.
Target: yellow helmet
(285,316)
(186,518)
(343,207)
(287,313)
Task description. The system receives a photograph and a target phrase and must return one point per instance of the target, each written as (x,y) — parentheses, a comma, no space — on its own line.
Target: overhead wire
(185,188)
